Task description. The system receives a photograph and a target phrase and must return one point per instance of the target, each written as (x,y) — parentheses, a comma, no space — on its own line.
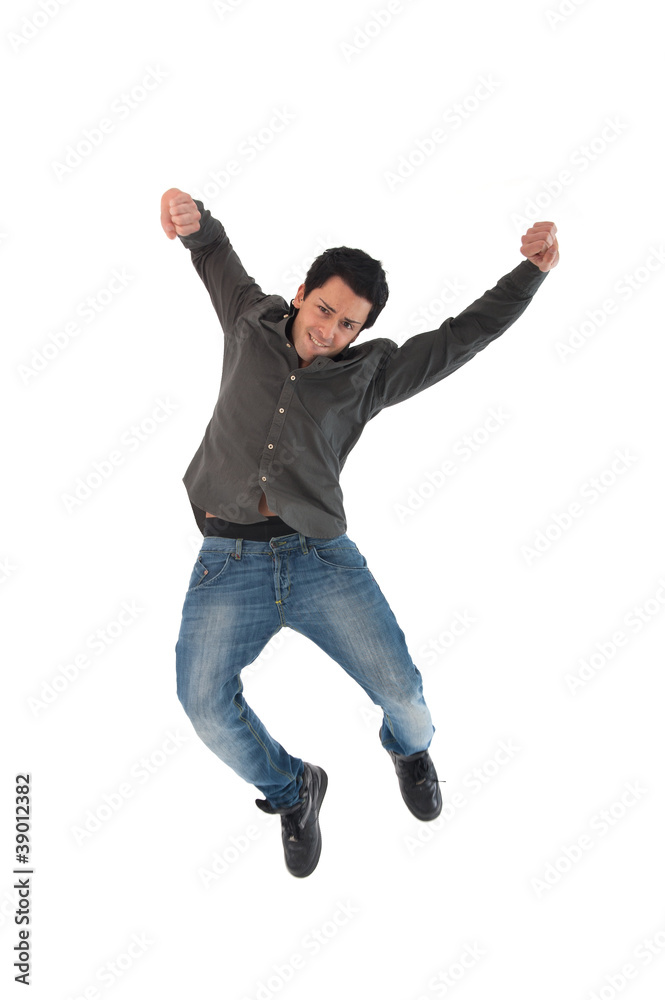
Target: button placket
(275,429)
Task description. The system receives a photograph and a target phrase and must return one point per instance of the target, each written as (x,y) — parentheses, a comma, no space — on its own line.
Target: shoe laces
(292,821)
(291,824)
(422,772)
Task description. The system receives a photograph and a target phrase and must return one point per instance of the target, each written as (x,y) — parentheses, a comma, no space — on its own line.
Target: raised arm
(429,357)
(232,290)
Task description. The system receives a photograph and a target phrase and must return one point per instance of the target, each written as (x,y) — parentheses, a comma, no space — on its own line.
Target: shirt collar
(289,320)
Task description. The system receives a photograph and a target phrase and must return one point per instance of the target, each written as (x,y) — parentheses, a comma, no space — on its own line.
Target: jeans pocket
(346,556)
(208,567)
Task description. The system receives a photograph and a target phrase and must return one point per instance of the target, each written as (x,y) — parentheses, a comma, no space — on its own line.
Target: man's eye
(347,325)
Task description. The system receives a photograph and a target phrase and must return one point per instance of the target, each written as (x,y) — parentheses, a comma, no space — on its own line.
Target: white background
(397,904)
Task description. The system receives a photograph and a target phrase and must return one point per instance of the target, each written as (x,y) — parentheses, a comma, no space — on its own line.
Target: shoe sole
(315,859)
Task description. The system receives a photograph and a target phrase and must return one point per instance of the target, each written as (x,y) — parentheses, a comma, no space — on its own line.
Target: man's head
(343,293)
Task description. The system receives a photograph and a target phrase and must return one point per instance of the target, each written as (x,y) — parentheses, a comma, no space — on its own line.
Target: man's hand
(180,216)
(540,246)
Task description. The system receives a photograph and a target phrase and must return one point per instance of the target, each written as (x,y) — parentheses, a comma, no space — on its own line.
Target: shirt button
(285,316)
(281,409)
(270,446)
(293,378)
(263,479)
(288,344)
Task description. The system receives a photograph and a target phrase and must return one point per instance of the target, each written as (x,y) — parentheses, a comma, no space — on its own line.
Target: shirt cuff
(527,277)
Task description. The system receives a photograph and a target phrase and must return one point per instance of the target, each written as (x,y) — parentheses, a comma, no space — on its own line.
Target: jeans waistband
(281,543)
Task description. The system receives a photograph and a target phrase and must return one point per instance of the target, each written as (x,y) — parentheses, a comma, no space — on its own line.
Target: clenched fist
(180,216)
(540,245)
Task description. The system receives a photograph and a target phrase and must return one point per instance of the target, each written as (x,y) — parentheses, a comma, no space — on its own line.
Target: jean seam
(390,726)
(247,723)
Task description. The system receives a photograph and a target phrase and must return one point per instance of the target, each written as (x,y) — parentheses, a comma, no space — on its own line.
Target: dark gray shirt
(287,431)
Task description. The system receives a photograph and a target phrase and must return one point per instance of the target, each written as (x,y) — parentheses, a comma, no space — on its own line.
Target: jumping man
(295,394)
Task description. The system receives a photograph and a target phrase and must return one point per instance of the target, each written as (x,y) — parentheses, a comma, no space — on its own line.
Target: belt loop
(238,548)
(303,543)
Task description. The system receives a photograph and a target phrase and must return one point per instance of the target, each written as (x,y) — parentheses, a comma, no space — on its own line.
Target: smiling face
(328,320)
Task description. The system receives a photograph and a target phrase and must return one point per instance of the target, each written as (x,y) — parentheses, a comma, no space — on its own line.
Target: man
(294,398)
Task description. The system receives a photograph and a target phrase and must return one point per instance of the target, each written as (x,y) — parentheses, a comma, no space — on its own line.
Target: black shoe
(301,834)
(418,783)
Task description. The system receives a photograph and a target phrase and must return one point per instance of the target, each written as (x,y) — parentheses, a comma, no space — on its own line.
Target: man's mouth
(318,342)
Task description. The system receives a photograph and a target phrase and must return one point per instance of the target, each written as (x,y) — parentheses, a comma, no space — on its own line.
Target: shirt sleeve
(428,357)
(231,289)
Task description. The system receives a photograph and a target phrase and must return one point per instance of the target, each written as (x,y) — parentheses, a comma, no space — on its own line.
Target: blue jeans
(240,594)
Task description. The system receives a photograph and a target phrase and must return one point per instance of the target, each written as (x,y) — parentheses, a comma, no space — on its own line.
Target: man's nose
(326,331)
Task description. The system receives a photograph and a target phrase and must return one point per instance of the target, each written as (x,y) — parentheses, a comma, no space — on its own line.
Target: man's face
(329,319)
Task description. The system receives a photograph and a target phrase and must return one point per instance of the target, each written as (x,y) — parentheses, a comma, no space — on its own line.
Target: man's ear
(299,294)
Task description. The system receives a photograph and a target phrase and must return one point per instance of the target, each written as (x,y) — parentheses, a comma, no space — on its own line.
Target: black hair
(364,276)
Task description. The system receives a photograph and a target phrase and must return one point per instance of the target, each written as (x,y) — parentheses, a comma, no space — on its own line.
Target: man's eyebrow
(355,322)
